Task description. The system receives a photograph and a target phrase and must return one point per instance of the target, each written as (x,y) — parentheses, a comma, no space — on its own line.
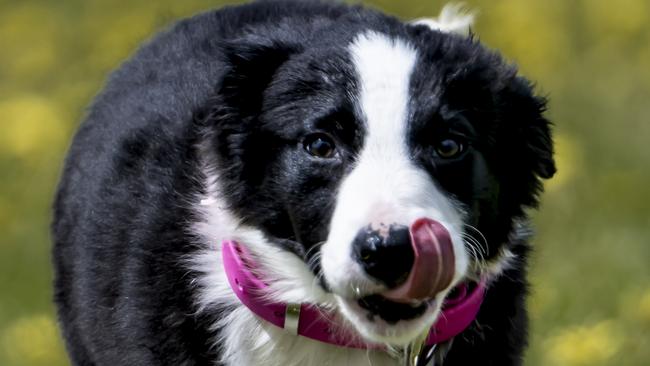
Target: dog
(355,169)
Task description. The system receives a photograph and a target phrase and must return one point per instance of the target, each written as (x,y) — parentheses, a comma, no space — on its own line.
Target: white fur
(385,187)
(453,18)
(501,263)
(244,338)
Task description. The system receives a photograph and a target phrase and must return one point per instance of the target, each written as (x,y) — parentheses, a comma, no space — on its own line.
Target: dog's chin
(379,320)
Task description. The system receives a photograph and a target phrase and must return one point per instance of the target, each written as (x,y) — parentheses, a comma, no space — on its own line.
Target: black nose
(388,257)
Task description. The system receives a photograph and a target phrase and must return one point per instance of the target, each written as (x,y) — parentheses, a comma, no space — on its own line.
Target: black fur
(245,82)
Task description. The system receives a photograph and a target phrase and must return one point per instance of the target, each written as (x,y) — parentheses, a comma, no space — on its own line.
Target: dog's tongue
(433,267)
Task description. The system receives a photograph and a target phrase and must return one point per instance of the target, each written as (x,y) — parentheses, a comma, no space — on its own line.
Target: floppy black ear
(252,63)
(534,127)
(230,119)
(526,146)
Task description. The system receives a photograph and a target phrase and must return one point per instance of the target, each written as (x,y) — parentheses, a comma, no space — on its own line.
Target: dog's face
(358,156)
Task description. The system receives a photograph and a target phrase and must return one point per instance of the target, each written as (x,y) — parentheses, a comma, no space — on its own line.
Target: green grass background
(591,268)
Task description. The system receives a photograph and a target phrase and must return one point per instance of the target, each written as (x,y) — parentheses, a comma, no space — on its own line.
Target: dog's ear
(525,148)
(229,121)
(526,118)
(252,63)
(520,137)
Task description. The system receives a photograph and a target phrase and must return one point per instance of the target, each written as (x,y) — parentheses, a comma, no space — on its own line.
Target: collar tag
(416,353)
(292,318)
(426,356)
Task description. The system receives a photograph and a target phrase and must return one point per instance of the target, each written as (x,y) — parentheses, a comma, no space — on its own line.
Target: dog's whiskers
(314,247)
(482,245)
(475,250)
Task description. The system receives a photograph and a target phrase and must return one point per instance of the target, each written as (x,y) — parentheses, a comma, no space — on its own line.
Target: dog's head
(382,163)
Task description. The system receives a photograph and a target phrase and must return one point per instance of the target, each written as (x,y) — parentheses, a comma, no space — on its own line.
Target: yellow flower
(584,345)
(644,307)
(30,124)
(33,341)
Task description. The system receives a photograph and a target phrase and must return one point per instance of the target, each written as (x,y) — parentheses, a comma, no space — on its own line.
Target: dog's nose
(386,256)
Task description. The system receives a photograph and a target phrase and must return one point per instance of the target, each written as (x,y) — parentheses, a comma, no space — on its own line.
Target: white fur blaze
(385,186)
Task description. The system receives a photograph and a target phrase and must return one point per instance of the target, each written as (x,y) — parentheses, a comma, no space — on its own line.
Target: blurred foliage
(590,301)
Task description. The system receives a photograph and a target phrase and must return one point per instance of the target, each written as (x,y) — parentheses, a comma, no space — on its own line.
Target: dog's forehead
(383,66)
(429,75)
(373,73)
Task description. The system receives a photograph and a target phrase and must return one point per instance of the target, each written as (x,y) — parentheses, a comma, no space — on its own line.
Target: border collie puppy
(367,174)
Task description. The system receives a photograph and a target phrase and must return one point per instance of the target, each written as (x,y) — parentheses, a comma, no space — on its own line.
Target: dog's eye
(320,145)
(449,148)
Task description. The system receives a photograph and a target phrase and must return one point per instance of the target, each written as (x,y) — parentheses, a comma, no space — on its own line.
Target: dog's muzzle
(414,263)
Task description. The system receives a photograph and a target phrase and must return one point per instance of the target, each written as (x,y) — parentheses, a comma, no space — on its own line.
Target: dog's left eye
(320,145)
(449,148)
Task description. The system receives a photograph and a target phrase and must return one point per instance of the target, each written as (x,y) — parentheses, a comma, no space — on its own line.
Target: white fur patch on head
(384,68)
(453,18)
(385,186)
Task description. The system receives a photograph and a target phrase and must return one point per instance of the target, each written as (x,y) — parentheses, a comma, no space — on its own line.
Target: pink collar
(457,313)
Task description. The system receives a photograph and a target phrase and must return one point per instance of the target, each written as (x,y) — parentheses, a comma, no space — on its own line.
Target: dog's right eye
(320,145)
(449,148)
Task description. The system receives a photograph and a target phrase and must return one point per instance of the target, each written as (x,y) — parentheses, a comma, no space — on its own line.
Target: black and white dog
(316,135)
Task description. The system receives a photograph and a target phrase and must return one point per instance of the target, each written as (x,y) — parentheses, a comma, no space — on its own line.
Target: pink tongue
(433,267)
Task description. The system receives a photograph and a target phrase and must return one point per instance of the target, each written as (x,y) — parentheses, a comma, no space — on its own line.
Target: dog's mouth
(391,311)
(379,319)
